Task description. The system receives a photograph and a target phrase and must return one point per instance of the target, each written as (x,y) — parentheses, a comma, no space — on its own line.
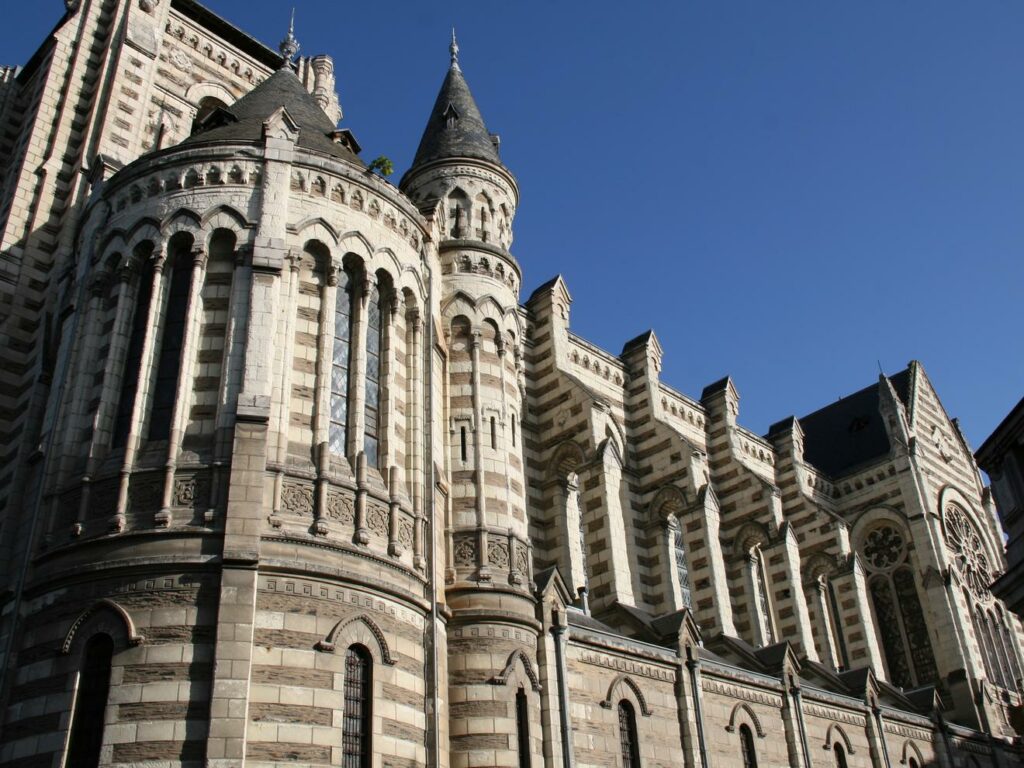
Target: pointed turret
(456,128)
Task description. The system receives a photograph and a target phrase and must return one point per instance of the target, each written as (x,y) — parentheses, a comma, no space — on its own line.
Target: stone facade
(293,475)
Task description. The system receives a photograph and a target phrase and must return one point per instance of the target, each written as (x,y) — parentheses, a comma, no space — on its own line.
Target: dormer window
(450,115)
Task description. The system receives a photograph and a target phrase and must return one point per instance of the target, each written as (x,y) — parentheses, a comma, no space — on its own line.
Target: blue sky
(788,193)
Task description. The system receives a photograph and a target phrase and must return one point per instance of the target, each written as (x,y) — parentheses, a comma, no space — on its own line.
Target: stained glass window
(168,365)
(627,736)
(358,699)
(681,568)
(523,728)
(887,621)
(133,357)
(90,704)
(914,624)
(340,360)
(747,747)
(764,598)
(374,344)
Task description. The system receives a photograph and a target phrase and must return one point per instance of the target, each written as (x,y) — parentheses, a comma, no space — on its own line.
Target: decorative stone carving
(377,519)
(497,553)
(465,551)
(148,5)
(297,499)
(340,507)
(144,495)
(405,532)
(522,559)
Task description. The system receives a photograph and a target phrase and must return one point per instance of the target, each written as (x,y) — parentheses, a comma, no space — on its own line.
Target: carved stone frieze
(297,499)
(341,507)
(377,518)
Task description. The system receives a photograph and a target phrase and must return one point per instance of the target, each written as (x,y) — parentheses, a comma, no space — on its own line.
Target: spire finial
(289,46)
(453,49)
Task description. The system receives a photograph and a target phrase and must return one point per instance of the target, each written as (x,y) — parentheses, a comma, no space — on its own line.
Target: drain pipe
(558,631)
(693,665)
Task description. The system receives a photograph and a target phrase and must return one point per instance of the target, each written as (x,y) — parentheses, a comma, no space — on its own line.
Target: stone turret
(460,184)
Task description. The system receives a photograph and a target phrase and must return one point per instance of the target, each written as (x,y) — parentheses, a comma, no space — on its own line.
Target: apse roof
(243,121)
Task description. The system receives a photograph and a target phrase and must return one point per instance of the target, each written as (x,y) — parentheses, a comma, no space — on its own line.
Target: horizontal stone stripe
(284,751)
(475,741)
(478,709)
(284,638)
(159,750)
(148,673)
(180,634)
(306,678)
(290,713)
(390,761)
(41,687)
(163,710)
(31,726)
(401,695)
(403,731)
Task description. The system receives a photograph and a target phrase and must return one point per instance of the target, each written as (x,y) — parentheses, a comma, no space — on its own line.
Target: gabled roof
(850,432)
(456,127)
(243,121)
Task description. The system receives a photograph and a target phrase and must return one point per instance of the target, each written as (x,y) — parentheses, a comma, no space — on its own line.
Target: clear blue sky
(786,192)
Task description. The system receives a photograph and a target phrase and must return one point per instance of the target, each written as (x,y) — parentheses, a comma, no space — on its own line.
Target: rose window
(884,546)
(968,552)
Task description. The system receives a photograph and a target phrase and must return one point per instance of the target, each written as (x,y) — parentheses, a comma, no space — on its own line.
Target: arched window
(840,755)
(374,345)
(168,366)
(627,736)
(358,721)
(747,751)
(523,728)
(206,107)
(87,721)
(681,567)
(764,601)
(897,607)
(340,361)
(133,355)
(912,763)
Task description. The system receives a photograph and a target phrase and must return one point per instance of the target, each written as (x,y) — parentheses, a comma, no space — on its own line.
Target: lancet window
(523,728)
(747,751)
(764,601)
(627,736)
(86,738)
(357,722)
(340,364)
(897,606)
(374,349)
(168,365)
(682,569)
(133,355)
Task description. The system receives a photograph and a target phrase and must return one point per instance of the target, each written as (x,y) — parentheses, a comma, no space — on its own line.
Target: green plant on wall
(381,165)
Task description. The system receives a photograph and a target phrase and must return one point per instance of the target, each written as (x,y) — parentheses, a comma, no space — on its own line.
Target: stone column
(156,303)
(179,413)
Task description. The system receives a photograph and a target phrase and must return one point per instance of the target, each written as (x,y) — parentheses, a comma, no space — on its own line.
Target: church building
(294,471)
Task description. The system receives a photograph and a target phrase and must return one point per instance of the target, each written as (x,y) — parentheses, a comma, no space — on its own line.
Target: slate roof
(242,122)
(850,432)
(456,127)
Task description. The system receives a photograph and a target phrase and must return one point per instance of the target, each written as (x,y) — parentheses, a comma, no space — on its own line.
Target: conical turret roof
(243,120)
(455,128)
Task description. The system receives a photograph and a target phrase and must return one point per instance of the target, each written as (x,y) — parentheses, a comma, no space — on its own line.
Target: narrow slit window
(374,345)
(168,367)
(627,736)
(462,433)
(840,756)
(356,748)
(513,431)
(494,434)
(133,357)
(86,738)
(340,361)
(523,728)
(747,747)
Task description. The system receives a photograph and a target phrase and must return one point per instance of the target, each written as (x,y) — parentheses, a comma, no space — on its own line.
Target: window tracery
(681,567)
(356,726)
(340,362)
(968,551)
(374,345)
(747,750)
(899,617)
(627,736)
